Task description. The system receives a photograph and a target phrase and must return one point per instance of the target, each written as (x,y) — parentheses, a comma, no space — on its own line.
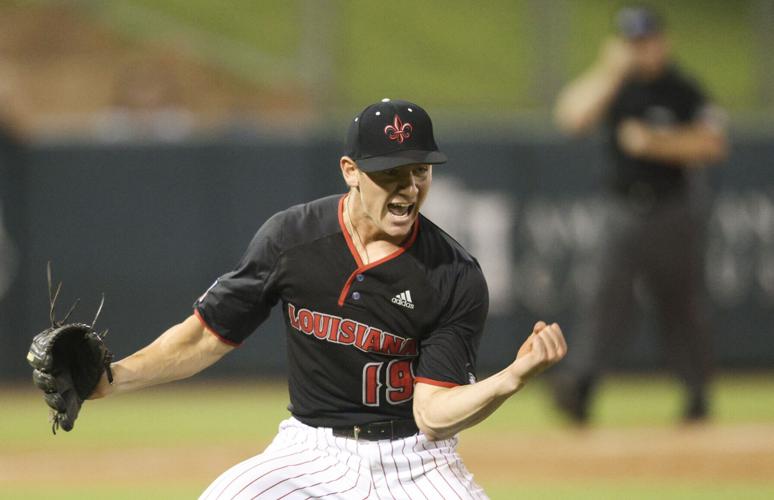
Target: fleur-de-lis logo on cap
(398,131)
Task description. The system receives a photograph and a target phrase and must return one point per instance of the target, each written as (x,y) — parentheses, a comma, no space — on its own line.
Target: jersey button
(360,277)
(356,295)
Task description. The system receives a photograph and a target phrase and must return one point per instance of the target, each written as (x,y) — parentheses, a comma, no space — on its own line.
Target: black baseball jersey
(669,100)
(359,335)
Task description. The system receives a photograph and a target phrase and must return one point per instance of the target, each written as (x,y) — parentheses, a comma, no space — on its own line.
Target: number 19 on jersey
(398,382)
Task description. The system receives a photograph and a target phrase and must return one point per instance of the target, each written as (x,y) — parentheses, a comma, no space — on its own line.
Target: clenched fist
(543,348)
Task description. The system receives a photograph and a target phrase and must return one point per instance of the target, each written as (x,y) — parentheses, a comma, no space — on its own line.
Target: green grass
(637,402)
(453,54)
(166,416)
(578,491)
(114,492)
(272,26)
(631,491)
(215,414)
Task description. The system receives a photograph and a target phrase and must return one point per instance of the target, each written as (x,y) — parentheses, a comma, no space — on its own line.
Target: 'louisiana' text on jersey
(350,332)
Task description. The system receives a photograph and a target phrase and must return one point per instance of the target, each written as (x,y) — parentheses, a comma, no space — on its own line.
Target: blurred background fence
(144,142)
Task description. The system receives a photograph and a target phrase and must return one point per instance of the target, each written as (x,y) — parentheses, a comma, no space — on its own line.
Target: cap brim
(400,158)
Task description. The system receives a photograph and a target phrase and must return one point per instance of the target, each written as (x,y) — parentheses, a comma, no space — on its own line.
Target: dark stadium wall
(152,226)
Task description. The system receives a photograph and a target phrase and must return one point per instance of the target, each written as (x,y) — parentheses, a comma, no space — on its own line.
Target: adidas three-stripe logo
(403,299)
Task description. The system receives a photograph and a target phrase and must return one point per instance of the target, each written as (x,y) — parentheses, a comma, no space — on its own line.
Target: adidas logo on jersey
(403,299)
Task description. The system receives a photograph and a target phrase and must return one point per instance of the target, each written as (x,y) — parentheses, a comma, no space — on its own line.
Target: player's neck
(370,241)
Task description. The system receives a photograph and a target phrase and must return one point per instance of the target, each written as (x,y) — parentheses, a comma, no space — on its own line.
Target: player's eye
(421,170)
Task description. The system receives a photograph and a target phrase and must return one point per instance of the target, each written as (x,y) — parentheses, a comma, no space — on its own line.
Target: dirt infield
(698,453)
(724,453)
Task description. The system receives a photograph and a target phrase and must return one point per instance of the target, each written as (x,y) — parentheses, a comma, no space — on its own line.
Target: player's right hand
(617,55)
(543,348)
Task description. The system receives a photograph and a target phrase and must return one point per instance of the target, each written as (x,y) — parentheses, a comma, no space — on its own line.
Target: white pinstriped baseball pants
(306,462)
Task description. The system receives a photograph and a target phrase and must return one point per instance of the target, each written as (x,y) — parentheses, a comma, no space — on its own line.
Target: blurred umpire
(660,128)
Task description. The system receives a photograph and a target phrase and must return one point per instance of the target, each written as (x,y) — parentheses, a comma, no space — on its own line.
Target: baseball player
(384,313)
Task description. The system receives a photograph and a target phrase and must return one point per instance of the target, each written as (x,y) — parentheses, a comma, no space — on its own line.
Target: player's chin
(399,225)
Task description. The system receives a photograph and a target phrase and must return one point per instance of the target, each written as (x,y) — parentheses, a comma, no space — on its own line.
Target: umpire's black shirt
(358,334)
(669,100)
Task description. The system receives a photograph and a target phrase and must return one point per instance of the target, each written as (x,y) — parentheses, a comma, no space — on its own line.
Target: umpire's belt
(387,429)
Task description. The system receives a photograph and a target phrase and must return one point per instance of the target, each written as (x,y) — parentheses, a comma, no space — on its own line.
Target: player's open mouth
(400,209)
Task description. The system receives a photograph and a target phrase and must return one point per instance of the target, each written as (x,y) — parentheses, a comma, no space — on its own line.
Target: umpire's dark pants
(658,245)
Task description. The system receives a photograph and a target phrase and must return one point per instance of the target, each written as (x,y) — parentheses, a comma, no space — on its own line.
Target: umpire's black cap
(390,134)
(635,22)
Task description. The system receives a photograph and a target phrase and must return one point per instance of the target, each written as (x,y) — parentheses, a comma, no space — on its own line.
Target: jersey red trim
(438,383)
(209,329)
(363,268)
(347,236)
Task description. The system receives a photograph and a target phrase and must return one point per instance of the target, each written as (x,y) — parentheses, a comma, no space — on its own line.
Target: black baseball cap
(635,22)
(392,133)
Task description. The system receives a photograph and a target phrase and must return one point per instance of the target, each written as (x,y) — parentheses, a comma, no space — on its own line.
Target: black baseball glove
(68,361)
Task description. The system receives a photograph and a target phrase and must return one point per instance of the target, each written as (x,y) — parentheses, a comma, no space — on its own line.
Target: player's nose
(408,184)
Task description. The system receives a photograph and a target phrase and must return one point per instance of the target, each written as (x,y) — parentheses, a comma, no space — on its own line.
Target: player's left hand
(543,348)
(68,360)
(634,137)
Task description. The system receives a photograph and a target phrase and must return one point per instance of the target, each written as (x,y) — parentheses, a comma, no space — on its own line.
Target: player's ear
(349,171)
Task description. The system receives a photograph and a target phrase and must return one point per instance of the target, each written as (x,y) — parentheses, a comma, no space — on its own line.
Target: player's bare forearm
(183,350)
(692,145)
(442,412)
